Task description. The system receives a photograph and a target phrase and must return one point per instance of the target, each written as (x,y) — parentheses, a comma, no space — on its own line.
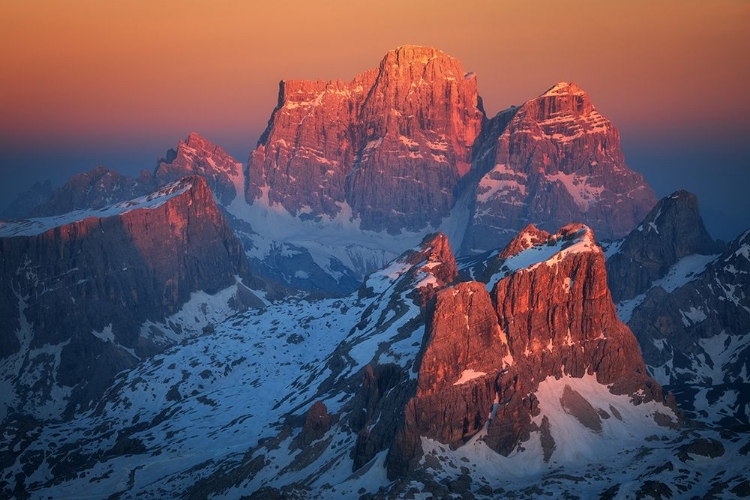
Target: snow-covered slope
(303,399)
(228,400)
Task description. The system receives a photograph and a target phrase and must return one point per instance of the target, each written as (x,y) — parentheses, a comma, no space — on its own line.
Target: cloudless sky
(88,82)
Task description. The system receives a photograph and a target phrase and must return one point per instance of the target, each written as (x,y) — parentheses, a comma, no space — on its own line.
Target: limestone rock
(392,143)
(553,160)
(485,353)
(317,423)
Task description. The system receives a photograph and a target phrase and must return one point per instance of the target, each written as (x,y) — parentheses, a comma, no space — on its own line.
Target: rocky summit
(391,144)
(485,352)
(553,160)
(198,156)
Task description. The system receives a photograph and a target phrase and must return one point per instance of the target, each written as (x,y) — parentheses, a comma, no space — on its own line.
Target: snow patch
(468,375)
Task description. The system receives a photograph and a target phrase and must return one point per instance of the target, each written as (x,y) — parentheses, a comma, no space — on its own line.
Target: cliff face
(698,333)
(553,160)
(548,313)
(392,143)
(80,289)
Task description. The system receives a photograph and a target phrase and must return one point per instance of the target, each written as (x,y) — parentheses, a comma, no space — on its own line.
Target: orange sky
(142,74)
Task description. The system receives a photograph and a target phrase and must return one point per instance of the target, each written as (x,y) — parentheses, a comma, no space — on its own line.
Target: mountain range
(396,297)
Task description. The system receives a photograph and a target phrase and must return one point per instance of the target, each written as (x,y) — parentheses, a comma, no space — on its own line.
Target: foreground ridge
(412,373)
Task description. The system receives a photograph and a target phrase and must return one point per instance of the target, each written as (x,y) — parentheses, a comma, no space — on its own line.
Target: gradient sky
(117,83)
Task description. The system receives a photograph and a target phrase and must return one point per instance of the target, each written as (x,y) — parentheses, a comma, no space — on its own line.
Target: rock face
(486,352)
(317,423)
(671,231)
(549,162)
(76,292)
(197,156)
(392,143)
(407,149)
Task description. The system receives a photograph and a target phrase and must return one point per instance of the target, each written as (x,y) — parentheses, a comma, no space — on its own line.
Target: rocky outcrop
(486,352)
(432,267)
(80,290)
(553,160)
(409,283)
(198,156)
(560,317)
(317,423)
(673,230)
(391,144)
(465,343)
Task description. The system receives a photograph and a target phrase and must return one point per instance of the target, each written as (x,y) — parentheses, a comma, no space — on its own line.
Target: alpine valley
(397,296)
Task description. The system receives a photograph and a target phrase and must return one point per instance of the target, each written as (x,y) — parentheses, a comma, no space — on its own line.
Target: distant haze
(118,83)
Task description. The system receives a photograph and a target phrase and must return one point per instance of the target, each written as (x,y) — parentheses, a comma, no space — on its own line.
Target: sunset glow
(120,77)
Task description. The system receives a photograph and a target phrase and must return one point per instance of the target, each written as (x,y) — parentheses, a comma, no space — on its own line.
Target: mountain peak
(564,88)
(197,155)
(685,198)
(436,254)
(672,230)
(528,237)
(560,141)
(195,140)
(416,113)
(410,54)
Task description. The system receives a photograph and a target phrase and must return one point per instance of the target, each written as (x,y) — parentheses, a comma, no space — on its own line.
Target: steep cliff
(548,313)
(391,144)
(687,300)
